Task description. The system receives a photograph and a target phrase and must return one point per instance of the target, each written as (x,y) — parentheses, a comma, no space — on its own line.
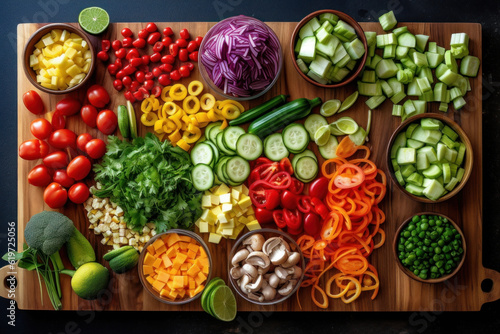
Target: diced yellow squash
(244,189)
(206,201)
(87,55)
(217,210)
(203,227)
(244,202)
(40,45)
(56,34)
(253,225)
(47,40)
(235,194)
(70,53)
(64,36)
(226,207)
(33,60)
(223,189)
(214,238)
(225,198)
(222,218)
(227,231)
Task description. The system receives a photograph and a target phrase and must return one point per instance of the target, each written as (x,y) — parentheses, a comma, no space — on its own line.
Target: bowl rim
(148,287)
(26,53)
(236,247)
(410,273)
(468,161)
(361,36)
(217,90)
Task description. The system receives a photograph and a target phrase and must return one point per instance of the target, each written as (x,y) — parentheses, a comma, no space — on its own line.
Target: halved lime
(330,107)
(205,296)
(347,125)
(349,101)
(93,20)
(335,130)
(223,303)
(322,135)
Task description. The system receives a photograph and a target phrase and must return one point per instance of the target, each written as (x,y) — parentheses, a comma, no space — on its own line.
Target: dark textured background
(485,12)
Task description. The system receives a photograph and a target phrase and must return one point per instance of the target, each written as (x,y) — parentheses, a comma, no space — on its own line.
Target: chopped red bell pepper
(304,204)
(281,180)
(279,218)
(296,187)
(319,207)
(286,166)
(293,219)
(263,197)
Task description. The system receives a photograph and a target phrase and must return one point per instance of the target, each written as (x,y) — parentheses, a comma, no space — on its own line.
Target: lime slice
(205,297)
(132,120)
(347,125)
(330,107)
(322,135)
(223,303)
(349,101)
(93,20)
(335,130)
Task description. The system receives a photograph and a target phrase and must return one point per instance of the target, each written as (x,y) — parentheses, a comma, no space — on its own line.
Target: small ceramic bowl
(149,288)
(408,272)
(30,47)
(468,160)
(266,233)
(360,64)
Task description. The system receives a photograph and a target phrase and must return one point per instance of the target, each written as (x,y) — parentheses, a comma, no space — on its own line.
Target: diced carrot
(192,284)
(205,270)
(150,279)
(173,294)
(191,293)
(171,252)
(149,259)
(147,270)
(186,281)
(193,270)
(180,258)
(198,289)
(151,250)
(178,282)
(191,254)
(185,238)
(172,239)
(165,238)
(166,260)
(165,293)
(184,266)
(204,261)
(163,277)
(157,263)
(161,250)
(158,244)
(170,283)
(183,245)
(157,285)
(200,279)
(173,271)
(202,252)
(181,293)
(193,247)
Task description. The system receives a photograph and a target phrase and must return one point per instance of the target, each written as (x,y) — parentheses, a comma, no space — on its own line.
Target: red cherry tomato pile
(65,155)
(136,71)
(278,198)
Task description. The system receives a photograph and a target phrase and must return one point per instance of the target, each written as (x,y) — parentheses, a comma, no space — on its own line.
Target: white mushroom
(269,293)
(244,280)
(293,259)
(255,241)
(285,291)
(236,272)
(254,287)
(258,259)
(239,256)
(281,273)
(295,272)
(264,270)
(250,270)
(274,280)
(276,249)
(256,297)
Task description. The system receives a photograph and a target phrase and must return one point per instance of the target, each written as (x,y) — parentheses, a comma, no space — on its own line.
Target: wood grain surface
(397,293)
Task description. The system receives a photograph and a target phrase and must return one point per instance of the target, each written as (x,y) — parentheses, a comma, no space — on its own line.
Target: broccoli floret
(47,231)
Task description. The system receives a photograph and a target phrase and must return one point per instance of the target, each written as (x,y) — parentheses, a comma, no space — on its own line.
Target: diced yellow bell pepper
(182,144)
(224,124)
(158,127)
(202,117)
(175,136)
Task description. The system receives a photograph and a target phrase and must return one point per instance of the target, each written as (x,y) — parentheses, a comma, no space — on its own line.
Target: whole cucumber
(282,116)
(254,113)
(79,250)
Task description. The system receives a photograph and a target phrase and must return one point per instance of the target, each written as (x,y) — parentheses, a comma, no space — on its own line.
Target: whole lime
(89,280)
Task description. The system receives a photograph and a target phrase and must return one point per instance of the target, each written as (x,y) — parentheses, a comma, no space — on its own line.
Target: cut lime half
(322,135)
(330,107)
(93,20)
(347,125)
(349,101)
(223,303)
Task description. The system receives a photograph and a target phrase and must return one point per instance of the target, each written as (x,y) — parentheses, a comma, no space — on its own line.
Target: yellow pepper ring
(207,101)
(159,125)
(236,103)
(156,103)
(169,108)
(212,115)
(177,121)
(187,107)
(146,106)
(195,88)
(160,135)
(178,92)
(230,111)
(169,126)
(164,93)
(149,119)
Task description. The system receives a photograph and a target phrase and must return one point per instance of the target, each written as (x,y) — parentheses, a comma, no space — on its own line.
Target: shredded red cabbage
(241,56)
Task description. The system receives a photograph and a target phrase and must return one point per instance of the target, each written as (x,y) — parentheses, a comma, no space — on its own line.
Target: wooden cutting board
(397,292)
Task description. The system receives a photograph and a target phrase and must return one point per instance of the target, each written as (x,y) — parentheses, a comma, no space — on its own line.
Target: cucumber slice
(399,141)
(307,49)
(274,148)
(202,154)
(434,190)
(407,170)
(295,137)
(414,143)
(415,179)
(203,177)
(415,190)
(328,151)
(306,169)
(406,156)
(313,123)
(249,146)
(422,161)
(231,135)
(399,177)
(237,169)
(306,153)
(215,150)
(123,121)
(222,147)
(214,131)
(433,172)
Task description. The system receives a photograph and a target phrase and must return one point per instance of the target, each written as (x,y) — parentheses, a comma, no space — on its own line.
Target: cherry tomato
(264,216)
(68,106)
(128,70)
(55,195)
(192,46)
(116,45)
(166,41)
(105,45)
(143,33)
(319,188)
(148,84)
(173,49)
(156,91)
(289,200)
(183,54)
(168,31)
(164,80)
(134,86)
(127,42)
(184,71)
(78,193)
(149,76)
(118,84)
(41,128)
(58,121)
(151,27)
(33,149)
(33,102)
(40,176)
(182,43)
(158,47)
(198,40)
(312,224)
(136,62)
(88,114)
(126,32)
(166,67)
(175,75)
(82,140)
(107,121)
(95,148)
(129,96)
(157,72)
(145,59)
(61,177)
(102,55)
(193,56)
(168,59)
(62,138)
(139,76)
(55,160)
(139,43)
(79,167)
(184,33)
(97,96)
(113,69)
(155,57)
(121,53)
(120,74)
(138,95)
(133,53)
(153,38)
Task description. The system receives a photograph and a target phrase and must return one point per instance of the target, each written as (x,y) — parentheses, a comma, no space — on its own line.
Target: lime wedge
(330,107)
(347,125)
(335,130)
(132,120)
(223,303)
(205,297)
(93,20)
(349,101)
(322,135)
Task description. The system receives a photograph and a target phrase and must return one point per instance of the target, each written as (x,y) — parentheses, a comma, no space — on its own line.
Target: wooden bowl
(463,138)
(149,288)
(360,64)
(35,38)
(409,272)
